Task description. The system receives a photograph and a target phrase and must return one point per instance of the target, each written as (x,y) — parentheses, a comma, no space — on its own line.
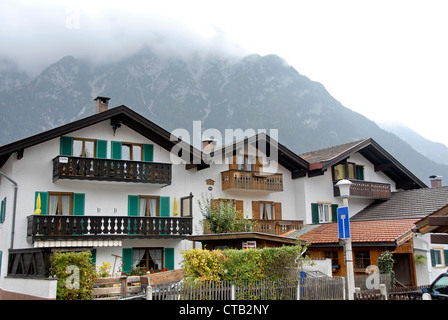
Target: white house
(124,188)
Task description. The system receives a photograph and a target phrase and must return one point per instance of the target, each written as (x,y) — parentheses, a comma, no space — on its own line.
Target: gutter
(13,208)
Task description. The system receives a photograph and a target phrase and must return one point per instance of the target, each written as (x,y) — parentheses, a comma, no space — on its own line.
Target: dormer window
(348,170)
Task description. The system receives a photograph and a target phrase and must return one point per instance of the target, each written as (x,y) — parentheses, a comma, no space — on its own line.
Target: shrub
(222,217)
(386,265)
(76,275)
(243,265)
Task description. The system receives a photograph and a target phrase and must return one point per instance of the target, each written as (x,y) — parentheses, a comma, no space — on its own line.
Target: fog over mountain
(174,89)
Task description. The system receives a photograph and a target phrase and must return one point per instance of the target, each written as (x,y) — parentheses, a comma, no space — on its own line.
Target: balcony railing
(250,180)
(110,170)
(277,227)
(366,189)
(47,227)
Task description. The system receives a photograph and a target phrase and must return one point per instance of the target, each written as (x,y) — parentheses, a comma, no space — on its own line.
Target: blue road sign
(343,223)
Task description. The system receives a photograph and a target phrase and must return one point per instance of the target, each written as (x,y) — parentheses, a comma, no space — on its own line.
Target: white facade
(34,173)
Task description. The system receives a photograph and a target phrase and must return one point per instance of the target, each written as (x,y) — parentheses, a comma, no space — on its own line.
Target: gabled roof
(321,160)
(364,233)
(415,204)
(117,116)
(275,150)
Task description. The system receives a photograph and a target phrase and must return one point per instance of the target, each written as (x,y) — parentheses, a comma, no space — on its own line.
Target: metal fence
(285,289)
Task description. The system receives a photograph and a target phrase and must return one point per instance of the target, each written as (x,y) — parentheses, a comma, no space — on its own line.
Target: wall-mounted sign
(249,244)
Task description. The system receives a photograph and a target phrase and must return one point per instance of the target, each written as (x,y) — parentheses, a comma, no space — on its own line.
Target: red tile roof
(362,231)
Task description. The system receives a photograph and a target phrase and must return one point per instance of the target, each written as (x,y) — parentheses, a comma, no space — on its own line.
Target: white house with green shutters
(105,183)
(110,183)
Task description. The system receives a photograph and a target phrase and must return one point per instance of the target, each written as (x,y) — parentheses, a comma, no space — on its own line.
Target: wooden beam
(438,221)
(439,238)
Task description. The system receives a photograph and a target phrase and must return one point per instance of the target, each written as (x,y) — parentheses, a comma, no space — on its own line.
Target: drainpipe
(13,208)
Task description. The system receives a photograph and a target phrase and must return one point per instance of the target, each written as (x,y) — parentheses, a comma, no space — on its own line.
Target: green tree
(222,217)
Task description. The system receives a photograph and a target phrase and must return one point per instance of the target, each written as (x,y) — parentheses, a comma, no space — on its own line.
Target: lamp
(344,190)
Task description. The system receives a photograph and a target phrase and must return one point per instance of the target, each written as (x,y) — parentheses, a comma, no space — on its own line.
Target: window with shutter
(323,212)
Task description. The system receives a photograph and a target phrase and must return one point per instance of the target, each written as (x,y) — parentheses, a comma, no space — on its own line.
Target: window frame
(321,204)
(361,259)
(147,198)
(439,252)
(162,249)
(131,150)
(262,214)
(351,171)
(84,140)
(59,207)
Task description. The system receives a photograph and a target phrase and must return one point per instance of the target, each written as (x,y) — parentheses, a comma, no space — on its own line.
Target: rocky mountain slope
(258,92)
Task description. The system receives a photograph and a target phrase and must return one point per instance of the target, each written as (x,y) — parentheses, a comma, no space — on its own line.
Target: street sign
(343,223)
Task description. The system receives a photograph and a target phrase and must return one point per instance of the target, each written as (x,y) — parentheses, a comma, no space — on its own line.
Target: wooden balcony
(111,170)
(368,190)
(53,227)
(277,227)
(251,180)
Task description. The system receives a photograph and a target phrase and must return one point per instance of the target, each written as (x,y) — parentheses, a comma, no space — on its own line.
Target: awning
(76,243)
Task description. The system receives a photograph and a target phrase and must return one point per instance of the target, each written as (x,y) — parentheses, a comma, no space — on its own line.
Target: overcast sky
(387,60)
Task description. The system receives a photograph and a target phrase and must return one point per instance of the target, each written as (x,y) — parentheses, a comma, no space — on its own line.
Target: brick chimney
(436,181)
(208,145)
(102,104)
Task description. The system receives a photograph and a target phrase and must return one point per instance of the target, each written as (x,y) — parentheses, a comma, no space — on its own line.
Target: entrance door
(402,268)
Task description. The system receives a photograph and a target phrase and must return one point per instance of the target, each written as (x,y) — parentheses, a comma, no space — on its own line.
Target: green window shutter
(43,201)
(445,252)
(3,210)
(359,172)
(315,213)
(66,146)
(164,206)
(133,206)
(79,204)
(127,255)
(433,257)
(334,212)
(93,257)
(148,152)
(101,149)
(169,258)
(115,150)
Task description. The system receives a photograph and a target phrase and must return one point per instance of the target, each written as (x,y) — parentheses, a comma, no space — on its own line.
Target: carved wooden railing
(106,227)
(250,180)
(367,189)
(65,167)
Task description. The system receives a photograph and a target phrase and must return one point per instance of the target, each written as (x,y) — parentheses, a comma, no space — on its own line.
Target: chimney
(102,104)
(208,145)
(436,181)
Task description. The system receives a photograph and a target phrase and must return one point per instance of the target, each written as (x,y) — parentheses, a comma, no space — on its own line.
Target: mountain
(258,92)
(433,150)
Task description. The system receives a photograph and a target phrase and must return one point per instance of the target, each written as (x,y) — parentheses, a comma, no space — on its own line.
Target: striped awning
(76,243)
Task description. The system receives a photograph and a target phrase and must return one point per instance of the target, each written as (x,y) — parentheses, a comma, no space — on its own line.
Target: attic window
(348,170)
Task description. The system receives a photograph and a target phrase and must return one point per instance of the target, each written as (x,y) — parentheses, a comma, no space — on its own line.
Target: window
(84,148)
(149,206)
(437,255)
(148,258)
(266,210)
(348,170)
(245,163)
(131,151)
(60,203)
(362,259)
(333,255)
(324,212)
